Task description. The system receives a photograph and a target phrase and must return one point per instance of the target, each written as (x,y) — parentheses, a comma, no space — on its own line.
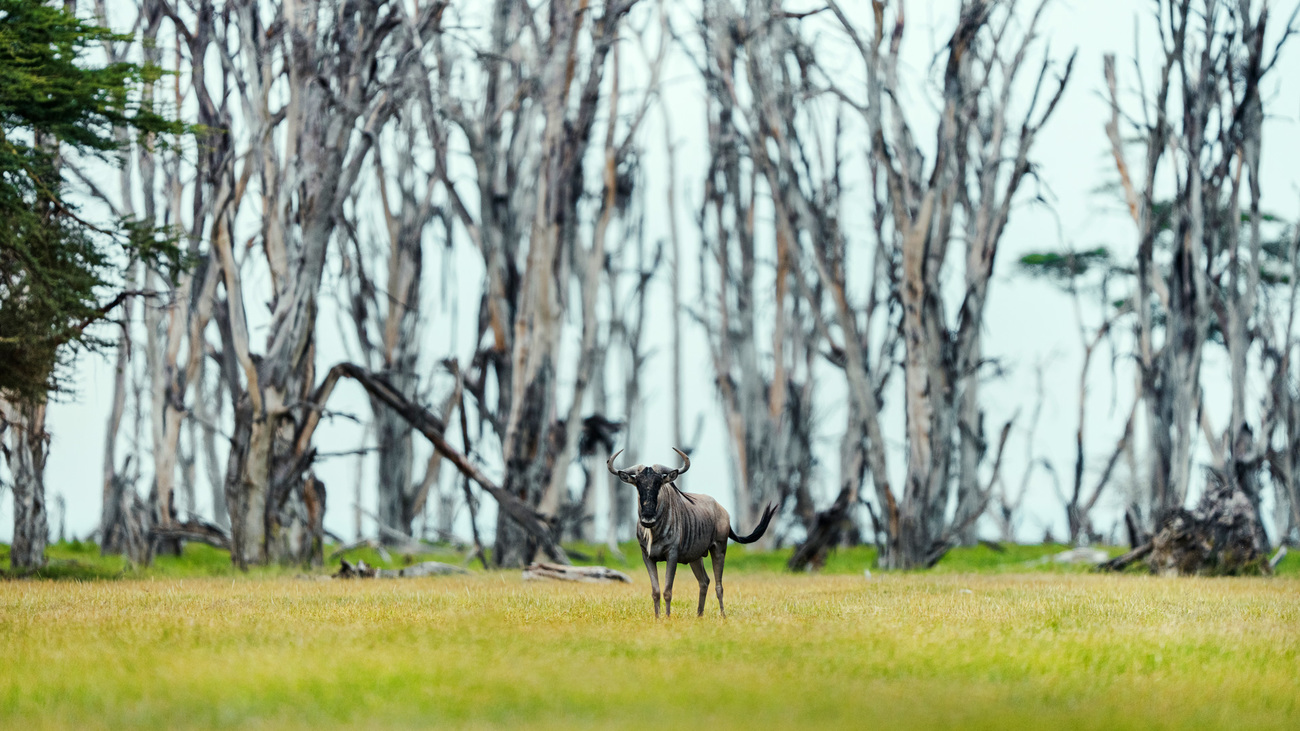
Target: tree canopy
(55,267)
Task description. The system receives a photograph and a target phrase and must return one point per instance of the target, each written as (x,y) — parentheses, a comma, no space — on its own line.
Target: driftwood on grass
(1081,555)
(1119,563)
(573,573)
(362,570)
(195,531)
(427,568)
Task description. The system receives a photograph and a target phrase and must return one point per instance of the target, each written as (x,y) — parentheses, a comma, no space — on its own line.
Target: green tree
(56,269)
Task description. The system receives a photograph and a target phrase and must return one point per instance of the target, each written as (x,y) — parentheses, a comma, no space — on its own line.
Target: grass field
(1017,644)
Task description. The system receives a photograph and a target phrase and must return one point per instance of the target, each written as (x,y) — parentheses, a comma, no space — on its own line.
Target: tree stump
(1222,537)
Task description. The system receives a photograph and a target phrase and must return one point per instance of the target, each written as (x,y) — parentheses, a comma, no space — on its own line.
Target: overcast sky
(1028,322)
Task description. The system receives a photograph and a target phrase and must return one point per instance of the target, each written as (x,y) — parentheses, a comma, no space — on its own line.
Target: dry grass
(980,651)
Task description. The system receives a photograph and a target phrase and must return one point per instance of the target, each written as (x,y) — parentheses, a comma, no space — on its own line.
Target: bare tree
(1283,401)
(980,159)
(1075,271)
(1007,509)
(768,411)
(1207,135)
(542,74)
(307,147)
(620,197)
(190,192)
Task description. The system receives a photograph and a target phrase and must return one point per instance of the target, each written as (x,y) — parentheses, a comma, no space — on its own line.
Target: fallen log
(362,570)
(1081,555)
(415,571)
(194,531)
(542,570)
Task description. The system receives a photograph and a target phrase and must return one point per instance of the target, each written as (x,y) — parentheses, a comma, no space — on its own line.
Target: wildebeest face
(648,481)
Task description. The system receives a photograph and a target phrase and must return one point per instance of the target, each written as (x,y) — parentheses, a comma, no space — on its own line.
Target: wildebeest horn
(686,465)
(620,474)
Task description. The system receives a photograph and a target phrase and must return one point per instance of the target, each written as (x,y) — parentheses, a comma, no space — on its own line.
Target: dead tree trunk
(108,515)
(25,444)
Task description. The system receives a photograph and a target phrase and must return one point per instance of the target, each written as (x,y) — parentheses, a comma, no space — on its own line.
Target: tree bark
(25,453)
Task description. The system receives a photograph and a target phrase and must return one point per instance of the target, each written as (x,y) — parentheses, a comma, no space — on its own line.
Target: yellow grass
(491,651)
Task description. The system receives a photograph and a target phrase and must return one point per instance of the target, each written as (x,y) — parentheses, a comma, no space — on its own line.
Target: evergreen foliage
(54,267)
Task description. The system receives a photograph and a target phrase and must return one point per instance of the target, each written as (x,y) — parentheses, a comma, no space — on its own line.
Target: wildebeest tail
(759,531)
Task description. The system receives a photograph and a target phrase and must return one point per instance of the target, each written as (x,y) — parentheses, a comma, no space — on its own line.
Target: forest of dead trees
(843,238)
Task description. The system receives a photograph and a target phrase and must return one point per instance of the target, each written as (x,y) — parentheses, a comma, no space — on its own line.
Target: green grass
(488,650)
(1019,644)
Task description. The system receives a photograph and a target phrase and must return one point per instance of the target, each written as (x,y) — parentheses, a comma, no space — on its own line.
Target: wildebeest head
(648,482)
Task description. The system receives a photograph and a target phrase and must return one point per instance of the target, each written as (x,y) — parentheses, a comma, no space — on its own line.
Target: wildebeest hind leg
(703,577)
(719,554)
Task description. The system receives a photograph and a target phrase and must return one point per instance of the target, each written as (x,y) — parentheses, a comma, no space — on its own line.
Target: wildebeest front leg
(669,572)
(703,577)
(652,569)
(719,554)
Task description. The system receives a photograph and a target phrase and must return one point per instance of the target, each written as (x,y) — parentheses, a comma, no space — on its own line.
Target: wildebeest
(680,527)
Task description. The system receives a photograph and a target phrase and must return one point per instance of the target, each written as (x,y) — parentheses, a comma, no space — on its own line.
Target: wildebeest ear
(626,477)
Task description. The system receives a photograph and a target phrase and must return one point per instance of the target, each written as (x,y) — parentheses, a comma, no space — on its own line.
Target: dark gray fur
(680,528)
